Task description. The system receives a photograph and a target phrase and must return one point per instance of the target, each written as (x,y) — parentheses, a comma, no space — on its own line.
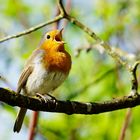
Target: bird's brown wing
(28,69)
(23,78)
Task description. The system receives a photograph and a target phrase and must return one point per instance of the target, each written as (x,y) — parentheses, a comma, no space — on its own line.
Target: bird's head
(53,41)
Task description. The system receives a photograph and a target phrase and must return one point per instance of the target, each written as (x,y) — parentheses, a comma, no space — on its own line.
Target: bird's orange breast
(58,61)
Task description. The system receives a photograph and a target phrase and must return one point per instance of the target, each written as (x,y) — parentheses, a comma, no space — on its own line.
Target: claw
(52,97)
(42,98)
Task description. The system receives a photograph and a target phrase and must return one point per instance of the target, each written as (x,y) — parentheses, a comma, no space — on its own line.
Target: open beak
(58,36)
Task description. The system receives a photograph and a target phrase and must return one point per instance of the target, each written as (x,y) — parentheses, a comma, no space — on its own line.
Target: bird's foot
(44,98)
(41,97)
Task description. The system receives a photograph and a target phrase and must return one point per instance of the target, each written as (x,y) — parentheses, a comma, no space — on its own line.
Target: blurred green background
(115,21)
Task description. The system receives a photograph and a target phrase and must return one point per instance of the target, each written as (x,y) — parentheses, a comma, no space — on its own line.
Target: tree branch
(68,107)
(32,29)
(134,78)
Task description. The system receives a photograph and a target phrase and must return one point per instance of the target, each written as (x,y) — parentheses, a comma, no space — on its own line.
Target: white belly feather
(42,81)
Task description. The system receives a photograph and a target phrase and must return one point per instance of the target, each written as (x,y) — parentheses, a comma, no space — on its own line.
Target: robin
(45,70)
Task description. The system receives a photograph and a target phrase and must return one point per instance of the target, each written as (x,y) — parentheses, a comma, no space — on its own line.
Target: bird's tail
(19,119)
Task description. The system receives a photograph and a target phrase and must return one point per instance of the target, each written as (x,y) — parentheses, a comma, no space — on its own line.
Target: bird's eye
(48,37)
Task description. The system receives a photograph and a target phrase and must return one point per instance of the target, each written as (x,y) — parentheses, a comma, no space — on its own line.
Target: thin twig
(125,125)
(32,29)
(134,78)
(33,125)
(68,8)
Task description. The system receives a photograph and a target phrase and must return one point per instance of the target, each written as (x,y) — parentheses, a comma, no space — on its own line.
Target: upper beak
(58,36)
(61,31)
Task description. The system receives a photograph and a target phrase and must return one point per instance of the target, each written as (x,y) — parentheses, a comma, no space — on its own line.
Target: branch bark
(68,107)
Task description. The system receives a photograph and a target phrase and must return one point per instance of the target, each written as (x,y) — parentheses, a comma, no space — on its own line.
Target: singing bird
(45,70)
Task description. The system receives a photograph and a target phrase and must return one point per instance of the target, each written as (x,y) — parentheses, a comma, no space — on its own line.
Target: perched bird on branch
(45,70)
